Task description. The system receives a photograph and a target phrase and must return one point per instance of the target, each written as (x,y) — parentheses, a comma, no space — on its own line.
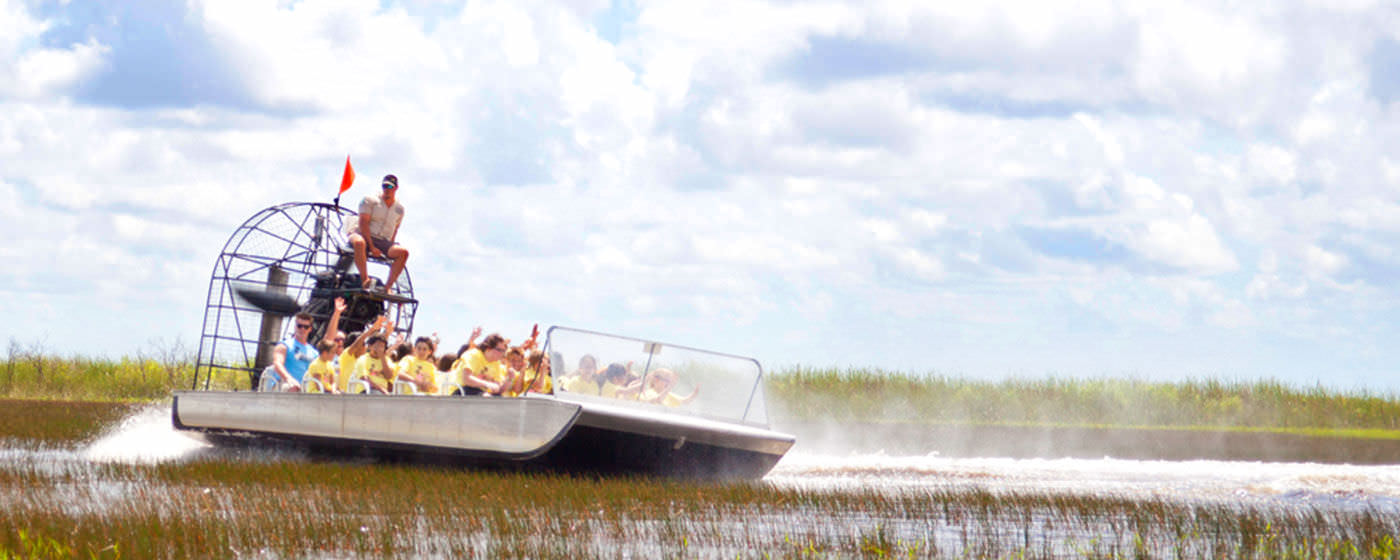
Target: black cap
(390,182)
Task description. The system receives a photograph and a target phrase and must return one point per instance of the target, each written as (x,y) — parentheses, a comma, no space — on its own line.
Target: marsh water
(147,438)
(1291,490)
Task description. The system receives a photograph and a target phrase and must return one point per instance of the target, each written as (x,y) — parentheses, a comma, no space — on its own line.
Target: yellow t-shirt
(321,371)
(545,385)
(347,370)
(580,385)
(475,362)
(373,370)
(670,399)
(413,367)
(609,389)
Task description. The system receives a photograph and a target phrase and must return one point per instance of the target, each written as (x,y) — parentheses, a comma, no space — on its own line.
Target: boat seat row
(267,381)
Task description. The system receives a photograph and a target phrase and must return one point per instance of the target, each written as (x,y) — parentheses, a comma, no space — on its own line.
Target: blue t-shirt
(299,357)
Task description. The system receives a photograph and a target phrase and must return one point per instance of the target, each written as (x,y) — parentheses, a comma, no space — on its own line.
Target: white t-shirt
(383,220)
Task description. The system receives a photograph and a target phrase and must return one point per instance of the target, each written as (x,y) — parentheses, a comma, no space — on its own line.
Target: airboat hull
(536,432)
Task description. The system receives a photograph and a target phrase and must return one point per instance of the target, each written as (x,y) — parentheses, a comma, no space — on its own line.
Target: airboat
(297,252)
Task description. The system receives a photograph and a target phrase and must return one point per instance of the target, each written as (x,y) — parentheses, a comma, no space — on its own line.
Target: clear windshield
(655,375)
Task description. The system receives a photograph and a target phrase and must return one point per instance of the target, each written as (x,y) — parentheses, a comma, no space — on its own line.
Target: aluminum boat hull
(566,433)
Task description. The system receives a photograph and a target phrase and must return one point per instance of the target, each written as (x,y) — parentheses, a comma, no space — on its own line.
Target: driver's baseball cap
(390,182)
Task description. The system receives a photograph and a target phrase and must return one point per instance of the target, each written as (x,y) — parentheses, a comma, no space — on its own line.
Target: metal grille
(298,243)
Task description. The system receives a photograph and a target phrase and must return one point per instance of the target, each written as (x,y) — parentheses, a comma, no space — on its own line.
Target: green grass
(222,508)
(873,395)
(866,395)
(57,506)
(57,422)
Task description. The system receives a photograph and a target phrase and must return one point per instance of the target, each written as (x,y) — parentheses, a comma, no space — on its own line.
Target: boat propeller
(269,302)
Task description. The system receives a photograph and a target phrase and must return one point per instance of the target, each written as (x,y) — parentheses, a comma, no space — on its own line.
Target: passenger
(445,361)
(337,340)
(374,366)
(481,370)
(321,370)
(537,374)
(445,380)
(420,369)
(584,379)
(658,389)
(333,333)
(345,363)
(375,233)
(351,354)
(615,381)
(515,359)
(401,350)
(292,356)
(531,374)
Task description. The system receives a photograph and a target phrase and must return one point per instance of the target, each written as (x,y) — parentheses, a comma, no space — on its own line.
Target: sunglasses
(303,325)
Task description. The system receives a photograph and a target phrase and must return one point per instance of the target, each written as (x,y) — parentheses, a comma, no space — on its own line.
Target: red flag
(348,179)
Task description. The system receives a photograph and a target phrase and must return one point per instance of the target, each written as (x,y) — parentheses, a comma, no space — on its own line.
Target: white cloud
(1321,262)
(686,178)
(31,72)
(1188,53)
(919,264)
(1192,245)
(1272,164)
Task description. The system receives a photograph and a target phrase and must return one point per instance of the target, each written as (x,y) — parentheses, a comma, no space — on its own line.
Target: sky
(1153,190)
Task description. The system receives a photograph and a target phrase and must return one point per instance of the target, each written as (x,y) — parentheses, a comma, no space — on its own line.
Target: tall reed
(876,395)
(219,507)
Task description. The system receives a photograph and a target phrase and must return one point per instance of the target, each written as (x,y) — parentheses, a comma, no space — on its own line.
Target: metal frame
(653,345)
(303,240)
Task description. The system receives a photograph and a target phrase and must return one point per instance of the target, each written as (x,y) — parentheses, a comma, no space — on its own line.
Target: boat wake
(145,437)
(1230,481)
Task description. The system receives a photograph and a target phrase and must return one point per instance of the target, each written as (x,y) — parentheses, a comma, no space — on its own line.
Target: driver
(375,232)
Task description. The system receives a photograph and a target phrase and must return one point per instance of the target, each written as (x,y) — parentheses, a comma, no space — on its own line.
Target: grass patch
(58,422)
(873,395)
(219,508)
(31,372)
(865,395)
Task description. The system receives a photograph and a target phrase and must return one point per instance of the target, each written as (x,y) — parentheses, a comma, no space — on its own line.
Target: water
(1340,486)
(148,438)
(90,480)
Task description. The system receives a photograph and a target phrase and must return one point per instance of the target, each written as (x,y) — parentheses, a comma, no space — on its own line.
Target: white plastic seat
(445,384)
(405,388)
(359,386)
(309,383)
(269,381)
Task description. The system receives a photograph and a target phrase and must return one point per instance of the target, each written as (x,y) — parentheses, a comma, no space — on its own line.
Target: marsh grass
(802,393)
(61,505)
(869,395)
(57,422)
(209,508)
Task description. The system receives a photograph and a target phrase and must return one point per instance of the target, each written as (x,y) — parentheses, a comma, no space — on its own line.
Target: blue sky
(1193,190)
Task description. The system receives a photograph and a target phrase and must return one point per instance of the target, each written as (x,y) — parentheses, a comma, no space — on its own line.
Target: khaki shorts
(382,244)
